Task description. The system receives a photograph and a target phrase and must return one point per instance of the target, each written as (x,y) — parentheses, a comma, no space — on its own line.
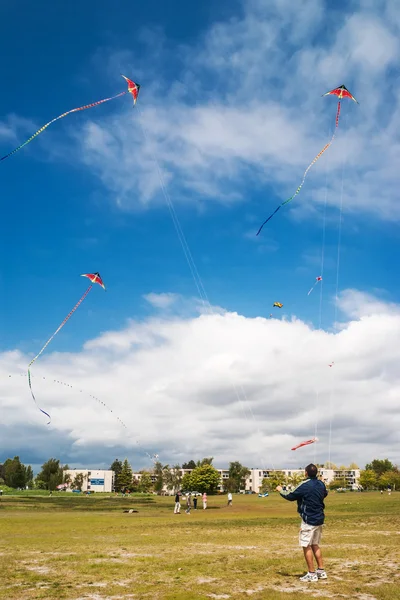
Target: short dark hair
(311,470)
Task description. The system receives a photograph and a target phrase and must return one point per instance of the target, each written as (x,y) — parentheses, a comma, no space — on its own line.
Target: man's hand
(278,488)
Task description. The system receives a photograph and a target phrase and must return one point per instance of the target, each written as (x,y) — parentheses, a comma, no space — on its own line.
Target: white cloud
(161,300)
(356,304)
(248,113)
(221,384)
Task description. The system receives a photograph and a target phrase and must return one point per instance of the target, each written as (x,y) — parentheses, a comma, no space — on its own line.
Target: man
(229,499)
(177,509)
(310,496)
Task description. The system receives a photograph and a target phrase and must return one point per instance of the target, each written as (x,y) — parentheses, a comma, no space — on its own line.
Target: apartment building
(255,478)
(93,481)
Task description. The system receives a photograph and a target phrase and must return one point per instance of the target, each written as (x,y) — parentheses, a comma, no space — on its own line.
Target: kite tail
(270,217)
(34,399)
(62,325)
(39,131)
(48,342)
(337,115)
(308,168)
(311,290)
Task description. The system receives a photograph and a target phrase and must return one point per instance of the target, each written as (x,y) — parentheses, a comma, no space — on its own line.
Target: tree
(353,466)
(205,461)
(189,465)
(145,483)
(368,479)
(330,465)
(187,482)
(173,478)
(269,484)
(238,473)
(159,472)
(380,466)
(230,485)
(125,476)
(205,479)
(295,479)
(67,478)
(14,473)
(390,479)
(29,476)
(51,474)
(78,481)
(117,468)
(339,482)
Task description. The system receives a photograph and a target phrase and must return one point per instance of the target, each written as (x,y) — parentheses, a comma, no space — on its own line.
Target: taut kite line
(133,88)
(340,92)
(94,278)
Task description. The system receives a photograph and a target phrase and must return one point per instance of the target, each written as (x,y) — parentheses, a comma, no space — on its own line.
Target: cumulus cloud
(161,300)
(214,384)
(245,108)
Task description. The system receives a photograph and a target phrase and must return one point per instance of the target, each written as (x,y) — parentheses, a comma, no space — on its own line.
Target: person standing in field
(188,503)
(204,501)
(229,499)
(177,509)
(310,496)
(195,502)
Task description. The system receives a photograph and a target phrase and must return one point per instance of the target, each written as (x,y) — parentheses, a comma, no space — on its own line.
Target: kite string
(333,385)
(185,247)
(317,402)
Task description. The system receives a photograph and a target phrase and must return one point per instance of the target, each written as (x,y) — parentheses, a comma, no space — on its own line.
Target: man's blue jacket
(310,496)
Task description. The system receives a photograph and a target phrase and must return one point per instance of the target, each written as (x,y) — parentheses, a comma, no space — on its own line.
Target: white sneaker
(309,577)
(321,574)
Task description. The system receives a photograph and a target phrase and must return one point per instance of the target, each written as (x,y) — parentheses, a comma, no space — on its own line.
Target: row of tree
(202,478)
(380,474)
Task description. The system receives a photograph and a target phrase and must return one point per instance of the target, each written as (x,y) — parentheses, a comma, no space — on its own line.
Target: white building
(93,481)
(254,480)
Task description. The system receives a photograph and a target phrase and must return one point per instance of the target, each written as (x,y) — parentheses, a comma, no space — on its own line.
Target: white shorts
(310,535)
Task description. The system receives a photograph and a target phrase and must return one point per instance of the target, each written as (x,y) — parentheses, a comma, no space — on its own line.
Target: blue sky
(232,109)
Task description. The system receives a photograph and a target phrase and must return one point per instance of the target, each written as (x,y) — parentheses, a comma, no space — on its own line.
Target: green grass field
(87,548)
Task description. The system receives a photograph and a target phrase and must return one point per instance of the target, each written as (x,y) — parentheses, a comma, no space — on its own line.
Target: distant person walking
(195,502)
(229,499)
(177,509)
(204,501)
(188,503)
(310,496)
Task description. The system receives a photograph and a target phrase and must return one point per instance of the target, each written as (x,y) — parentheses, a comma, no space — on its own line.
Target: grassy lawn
(87,548)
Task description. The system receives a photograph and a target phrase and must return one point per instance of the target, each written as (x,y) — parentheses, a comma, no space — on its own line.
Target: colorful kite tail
(62,325)
(307,170)
(39,131)
(48,342)
(34,399)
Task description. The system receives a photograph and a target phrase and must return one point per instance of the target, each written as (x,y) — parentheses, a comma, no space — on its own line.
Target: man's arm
(296,494)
